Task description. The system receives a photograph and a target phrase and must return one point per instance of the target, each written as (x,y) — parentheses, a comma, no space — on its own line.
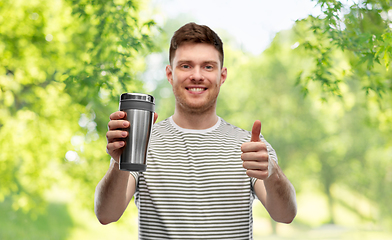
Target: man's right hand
(116,135)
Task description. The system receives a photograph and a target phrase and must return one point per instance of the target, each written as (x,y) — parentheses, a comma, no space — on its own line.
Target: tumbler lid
(138,97)
(137,101)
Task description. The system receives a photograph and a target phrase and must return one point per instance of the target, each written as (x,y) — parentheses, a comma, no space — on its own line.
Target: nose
(196,74)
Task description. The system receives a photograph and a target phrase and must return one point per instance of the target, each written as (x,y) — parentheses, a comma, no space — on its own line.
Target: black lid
(137,101)
(138,97)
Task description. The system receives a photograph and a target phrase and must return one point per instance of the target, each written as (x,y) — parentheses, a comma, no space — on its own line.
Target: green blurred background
(321,89)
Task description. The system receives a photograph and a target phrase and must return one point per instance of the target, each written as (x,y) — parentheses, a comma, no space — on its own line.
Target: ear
(169,74)
(223,75)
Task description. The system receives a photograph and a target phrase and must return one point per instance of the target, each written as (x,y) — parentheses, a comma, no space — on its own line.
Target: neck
(195,120)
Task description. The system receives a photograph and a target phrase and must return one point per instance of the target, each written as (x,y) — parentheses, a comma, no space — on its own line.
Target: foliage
(319,138)
(56,224)
(329,140)
(63,65)
(363,31)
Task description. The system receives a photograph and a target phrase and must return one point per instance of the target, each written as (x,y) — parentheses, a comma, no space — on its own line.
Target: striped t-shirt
(195,186)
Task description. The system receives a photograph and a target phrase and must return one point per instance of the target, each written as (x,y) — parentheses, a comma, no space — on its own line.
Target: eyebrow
(211,62)
(183,61)
(205,62)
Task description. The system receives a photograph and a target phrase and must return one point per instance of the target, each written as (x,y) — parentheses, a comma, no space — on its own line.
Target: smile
(193,89)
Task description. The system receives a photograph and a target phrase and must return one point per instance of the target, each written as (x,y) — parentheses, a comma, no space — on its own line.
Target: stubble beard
(194,109)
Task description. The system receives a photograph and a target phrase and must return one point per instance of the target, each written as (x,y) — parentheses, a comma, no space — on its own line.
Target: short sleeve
(252,185)
(271,151)
(271,155)
(134,174)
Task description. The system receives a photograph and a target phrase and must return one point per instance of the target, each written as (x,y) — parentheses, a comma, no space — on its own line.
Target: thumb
(256,129)
(155,116)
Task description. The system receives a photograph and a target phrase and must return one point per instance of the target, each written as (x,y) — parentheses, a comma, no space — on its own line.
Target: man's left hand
(255,154)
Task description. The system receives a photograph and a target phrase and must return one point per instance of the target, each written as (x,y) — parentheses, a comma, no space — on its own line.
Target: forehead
(196,52)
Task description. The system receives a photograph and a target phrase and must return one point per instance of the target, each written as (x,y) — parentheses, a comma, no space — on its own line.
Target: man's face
(196,77)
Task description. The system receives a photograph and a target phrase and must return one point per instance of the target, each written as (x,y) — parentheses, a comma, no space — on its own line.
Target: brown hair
(195,33)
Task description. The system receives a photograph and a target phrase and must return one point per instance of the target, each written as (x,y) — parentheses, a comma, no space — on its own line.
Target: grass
(303,229)
(68,221)
(63,219)
(56,223)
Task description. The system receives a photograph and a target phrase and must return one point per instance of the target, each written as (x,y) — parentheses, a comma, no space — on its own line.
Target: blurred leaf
(63,66)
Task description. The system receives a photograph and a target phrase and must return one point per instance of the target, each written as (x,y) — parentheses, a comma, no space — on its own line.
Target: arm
(277,195)
(272,188)
(114,192)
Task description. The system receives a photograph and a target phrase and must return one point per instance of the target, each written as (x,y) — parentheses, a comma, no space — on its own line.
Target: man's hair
(195,33)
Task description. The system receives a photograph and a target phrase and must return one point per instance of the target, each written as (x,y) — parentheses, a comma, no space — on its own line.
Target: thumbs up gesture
(255,154)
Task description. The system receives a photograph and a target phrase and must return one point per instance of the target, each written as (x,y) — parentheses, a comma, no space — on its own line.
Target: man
(202,172)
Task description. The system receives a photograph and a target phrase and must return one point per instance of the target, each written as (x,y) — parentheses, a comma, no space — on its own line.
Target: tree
(63,66)
(324,139)
(361,30)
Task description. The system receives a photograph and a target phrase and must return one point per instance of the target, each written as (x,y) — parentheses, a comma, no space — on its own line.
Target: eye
(209,67)
(185,66)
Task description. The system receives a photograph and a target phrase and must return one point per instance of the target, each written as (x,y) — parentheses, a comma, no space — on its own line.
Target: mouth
(196,89)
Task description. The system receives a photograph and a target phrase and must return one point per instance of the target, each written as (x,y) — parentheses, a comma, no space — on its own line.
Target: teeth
(196,89)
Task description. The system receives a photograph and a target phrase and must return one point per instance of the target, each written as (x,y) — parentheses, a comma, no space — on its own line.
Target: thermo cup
(140,114)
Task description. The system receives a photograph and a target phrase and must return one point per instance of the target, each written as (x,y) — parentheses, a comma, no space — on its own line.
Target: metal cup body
(134,155)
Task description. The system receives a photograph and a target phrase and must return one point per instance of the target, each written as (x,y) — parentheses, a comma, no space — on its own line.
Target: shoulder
(232,130)
(163,129)
(161,126)
(161,123)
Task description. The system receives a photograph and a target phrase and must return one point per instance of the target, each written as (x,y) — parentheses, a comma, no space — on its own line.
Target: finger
(155,116)
(118,115)
(261,156)
(114,146)
(253,147)
(256,130)
(114,135)
(254,165)
(118,124)
(257,174)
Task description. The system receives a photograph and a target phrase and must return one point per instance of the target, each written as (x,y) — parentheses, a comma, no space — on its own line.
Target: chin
(199,108)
